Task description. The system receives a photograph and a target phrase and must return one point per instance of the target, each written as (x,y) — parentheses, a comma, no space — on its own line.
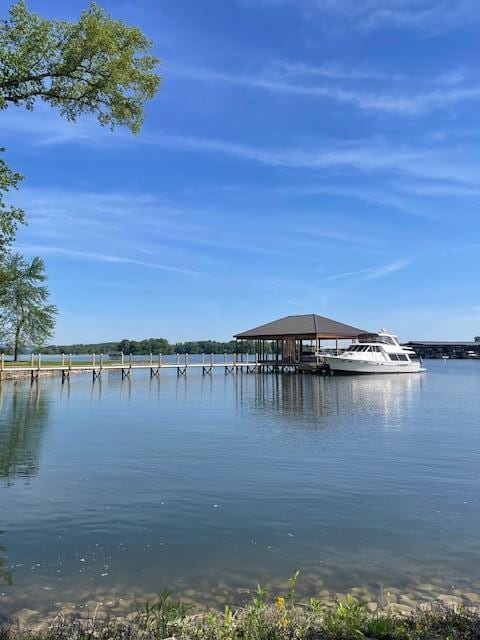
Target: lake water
(111,491)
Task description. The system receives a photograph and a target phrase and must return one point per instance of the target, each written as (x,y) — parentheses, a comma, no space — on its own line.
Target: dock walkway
(155,364)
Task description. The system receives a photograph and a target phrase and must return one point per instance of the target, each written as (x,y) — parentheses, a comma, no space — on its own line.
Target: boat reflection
(315,398)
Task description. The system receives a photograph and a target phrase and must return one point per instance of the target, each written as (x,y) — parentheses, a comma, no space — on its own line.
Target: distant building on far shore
(437,349)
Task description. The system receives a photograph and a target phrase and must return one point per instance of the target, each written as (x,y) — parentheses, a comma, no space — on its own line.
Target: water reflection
(24,416)
(209,484)
(310,397)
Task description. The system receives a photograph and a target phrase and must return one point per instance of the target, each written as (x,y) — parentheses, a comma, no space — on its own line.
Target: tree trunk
(16,348)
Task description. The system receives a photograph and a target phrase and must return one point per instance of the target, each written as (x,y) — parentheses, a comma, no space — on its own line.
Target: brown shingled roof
(308,326)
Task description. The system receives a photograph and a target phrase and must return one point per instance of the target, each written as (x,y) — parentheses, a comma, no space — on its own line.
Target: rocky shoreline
(279,618)
(114,604)
(42,373)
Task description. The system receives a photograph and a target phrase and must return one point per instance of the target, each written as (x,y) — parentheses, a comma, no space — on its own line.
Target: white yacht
(375,353)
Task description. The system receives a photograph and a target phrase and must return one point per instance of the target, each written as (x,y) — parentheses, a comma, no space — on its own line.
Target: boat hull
(346,365)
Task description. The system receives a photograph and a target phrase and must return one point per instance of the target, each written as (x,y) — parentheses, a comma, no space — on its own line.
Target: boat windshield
(374,337)
(363,347)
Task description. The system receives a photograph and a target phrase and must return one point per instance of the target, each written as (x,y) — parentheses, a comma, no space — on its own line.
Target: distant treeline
(154,345)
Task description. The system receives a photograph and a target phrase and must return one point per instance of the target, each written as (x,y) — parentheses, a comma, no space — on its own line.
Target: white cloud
(439,189)
(362,72)
(400,102)
(45,127)
(377,196)
(429,163)
(369,272)
(100,219)
(101,257)
(387,269)
(428,16)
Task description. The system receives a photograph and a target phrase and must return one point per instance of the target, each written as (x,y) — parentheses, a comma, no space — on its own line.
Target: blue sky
(301,156)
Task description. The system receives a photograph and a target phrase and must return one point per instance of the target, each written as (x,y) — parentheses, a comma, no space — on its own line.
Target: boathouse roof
(307,327)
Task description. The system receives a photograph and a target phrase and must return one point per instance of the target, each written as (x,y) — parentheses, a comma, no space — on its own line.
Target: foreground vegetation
(282,619)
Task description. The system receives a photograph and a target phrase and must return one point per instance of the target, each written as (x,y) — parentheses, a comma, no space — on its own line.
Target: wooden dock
(66,366)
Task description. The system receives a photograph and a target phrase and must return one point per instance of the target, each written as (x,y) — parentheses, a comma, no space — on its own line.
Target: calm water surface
(210,484)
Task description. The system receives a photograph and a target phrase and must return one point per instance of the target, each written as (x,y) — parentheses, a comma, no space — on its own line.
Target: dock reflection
(294,396)
(310,397)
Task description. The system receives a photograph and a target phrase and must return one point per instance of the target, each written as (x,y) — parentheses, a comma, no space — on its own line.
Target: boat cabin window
(398,356)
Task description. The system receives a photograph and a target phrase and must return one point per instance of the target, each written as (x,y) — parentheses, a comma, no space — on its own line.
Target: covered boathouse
(295,342)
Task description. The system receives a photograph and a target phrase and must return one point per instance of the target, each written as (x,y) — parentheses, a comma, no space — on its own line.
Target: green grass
(280,618)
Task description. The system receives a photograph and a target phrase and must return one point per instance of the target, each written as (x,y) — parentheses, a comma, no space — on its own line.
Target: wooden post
(178,359)
(151,359)
(63,359)
(32,358)
(2,362)
(39,361)
(203,359)
(336,346)
(211,359)
(123,358)
(70,361)
(93,360)
(159,360)
(186,359)
(130,361)
(101,361)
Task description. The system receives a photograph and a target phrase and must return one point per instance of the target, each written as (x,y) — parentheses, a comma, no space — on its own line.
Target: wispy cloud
(332,71)
(392,267)
(44,127)
(465,248)
(369,157)
(370,272)
(108,219)
(358,156)
(337,235)
(101,257)
(403,102)
(439,189)
(378,196)
(428,16)
(363,72)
